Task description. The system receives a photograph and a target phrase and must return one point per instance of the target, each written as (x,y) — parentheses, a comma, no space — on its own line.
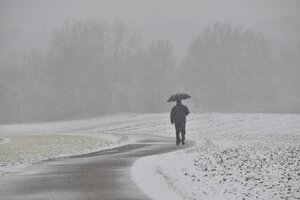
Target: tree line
(92,68)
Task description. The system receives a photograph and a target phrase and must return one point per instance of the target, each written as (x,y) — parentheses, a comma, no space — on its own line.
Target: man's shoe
(183,143)
(177,143)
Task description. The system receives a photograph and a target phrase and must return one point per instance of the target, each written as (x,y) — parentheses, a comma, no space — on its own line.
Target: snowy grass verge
(19,151)
(154,184)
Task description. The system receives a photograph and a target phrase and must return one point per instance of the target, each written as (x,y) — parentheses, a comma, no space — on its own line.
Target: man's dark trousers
(180,128)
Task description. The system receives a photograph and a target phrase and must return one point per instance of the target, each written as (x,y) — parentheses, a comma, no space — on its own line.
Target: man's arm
(172,116)
(187,111)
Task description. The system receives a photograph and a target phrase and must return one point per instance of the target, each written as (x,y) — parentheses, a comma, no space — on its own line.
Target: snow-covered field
(236,156)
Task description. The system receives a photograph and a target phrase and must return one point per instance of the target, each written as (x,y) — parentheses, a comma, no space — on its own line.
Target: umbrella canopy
(178,97)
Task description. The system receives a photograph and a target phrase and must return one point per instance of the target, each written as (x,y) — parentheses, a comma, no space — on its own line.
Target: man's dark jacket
(179,113)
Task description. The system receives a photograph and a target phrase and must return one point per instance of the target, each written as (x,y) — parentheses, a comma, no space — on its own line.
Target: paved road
(101,175)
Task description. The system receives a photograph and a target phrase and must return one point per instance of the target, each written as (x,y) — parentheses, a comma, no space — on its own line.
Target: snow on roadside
(22,151)
(236,156)
(154,184)
(25,144)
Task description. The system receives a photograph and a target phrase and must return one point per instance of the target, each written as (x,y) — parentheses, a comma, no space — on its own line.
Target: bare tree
(159,65)
(224,63)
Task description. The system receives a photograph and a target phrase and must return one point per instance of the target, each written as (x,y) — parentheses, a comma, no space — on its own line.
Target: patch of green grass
(39,147)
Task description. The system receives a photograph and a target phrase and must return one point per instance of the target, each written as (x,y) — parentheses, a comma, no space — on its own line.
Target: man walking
(178,116)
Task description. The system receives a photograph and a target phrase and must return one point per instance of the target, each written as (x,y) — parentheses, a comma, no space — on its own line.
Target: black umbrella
(178,97)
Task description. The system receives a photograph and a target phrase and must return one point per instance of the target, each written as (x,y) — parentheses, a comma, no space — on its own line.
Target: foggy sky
(175,20)
(30,14)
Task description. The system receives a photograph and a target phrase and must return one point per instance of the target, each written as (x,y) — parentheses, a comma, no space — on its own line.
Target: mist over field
(67,59)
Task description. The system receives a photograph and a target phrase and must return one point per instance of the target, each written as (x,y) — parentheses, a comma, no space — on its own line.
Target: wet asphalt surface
(103,175)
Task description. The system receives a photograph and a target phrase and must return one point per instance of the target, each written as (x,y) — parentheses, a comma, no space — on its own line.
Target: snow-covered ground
(236,156)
